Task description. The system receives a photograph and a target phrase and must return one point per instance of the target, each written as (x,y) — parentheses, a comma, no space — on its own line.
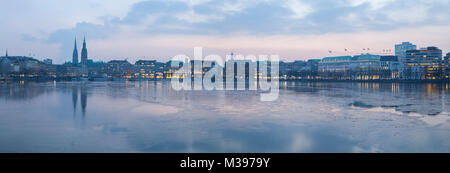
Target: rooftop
(337,58)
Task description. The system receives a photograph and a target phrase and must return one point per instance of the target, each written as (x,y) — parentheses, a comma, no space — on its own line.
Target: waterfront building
(425,63)
(286,70)
(96,69)
(298,68)
(68,70)
(145,69)
(336,68)
(389,67)
(171,72)
(20,66)
(312,68)
(400,50)
(305,69)
(365,67)
(119,69)
(159,70)
(48,61)
(292,70)
(5,65)
(447,66)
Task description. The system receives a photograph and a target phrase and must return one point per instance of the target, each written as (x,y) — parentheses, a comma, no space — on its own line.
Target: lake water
(151,117)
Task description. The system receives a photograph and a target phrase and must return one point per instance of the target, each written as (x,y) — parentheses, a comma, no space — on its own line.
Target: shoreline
(67,79)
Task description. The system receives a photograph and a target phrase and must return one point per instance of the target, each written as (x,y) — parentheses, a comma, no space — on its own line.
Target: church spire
(75,53)
(6,52)
(84,55)
(75,45)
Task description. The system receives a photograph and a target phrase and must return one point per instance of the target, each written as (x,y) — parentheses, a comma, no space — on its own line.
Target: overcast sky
(161,29)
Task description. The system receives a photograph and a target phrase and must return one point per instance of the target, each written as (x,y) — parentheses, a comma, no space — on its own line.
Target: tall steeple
(84,55)
(75,53)
(6,52)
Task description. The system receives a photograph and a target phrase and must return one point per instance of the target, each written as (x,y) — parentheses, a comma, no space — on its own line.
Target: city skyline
(346,52)
(162,29)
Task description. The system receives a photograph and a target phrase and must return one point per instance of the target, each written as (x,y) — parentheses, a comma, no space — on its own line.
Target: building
(365,67)
(389,67)
(286,70)
(171,72)
(306,69)
(425,63)
(447,66)
(48,61)
(20,66)
(299,69)
(145,69)
(6,65)
(48,70)
(400,50)
(96,69)
(119,69)
(337,68)
(159,70)
(68,70)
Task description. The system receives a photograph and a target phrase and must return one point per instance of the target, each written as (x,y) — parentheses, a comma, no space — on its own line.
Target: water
(151,117)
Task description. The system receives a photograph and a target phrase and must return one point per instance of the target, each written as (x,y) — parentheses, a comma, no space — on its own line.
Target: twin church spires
(84,55)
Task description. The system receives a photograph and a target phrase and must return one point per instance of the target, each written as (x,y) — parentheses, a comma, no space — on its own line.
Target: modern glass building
(365,67)
(389,67)
(447,66)
(400,50)
(425,63)
(337,67)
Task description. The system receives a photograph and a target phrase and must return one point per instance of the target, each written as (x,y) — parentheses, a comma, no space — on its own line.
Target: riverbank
(45,79)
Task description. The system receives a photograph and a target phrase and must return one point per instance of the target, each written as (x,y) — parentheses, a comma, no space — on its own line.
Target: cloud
(232,8)
(40,18)
(194,2)
(374,4)
(192,17)
(290,47)
(299,8)
(409,14)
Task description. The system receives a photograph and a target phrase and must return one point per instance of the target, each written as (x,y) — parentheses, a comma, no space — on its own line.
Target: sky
(161,29)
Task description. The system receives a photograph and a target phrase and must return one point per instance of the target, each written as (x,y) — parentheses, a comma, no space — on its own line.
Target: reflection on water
(83,94)
(149,116)
(82,91)
(74,97)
